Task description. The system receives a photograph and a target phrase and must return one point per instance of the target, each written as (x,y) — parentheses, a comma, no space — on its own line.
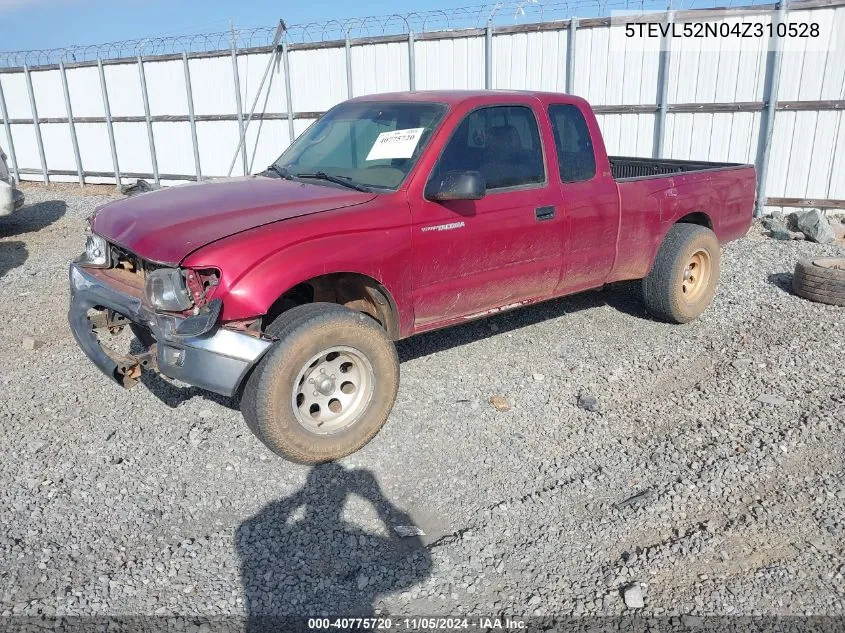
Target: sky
(38,24)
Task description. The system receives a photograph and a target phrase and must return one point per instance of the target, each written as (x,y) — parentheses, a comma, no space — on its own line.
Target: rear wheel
(326,387)
(685,274)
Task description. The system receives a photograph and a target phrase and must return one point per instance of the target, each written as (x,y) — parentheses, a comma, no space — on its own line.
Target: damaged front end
(171,313)
(105,323)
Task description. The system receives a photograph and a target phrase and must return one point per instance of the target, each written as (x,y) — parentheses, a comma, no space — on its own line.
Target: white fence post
(239,103)
(36,124)
(412,80)
(488,56)
(190,96)
(71,125)
(150,138)
(663,84)
(348,45)
(288,95)
(570,56)
(109,124)
(770,102)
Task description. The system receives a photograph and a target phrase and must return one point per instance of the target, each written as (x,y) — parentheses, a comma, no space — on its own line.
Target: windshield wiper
(281,172)
(344,181)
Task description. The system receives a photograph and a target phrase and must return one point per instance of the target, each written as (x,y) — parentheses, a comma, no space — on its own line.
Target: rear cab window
(574,145)
(502,143)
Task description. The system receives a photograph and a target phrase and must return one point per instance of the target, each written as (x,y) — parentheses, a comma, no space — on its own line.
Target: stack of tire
(821,280)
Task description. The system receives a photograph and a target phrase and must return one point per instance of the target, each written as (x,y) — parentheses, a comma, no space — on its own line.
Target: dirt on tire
(302,332)
(821,280)
(685,274)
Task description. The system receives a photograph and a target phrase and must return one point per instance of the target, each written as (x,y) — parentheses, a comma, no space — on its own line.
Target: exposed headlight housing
(166,290)
(96,253)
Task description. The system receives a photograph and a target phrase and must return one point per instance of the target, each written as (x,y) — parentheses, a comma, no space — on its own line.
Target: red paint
(165,226)
(603,230)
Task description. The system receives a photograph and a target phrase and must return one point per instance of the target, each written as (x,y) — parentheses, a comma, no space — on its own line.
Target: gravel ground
(710,477)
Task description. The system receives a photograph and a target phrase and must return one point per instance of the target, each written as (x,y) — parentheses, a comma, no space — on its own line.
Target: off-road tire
(302,332)
(666,289)
(821,280)
(278,329)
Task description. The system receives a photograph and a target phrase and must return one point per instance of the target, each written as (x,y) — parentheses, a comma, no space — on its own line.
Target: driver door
(474,256)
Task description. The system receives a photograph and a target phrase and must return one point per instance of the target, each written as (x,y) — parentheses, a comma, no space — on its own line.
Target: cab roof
(455,97)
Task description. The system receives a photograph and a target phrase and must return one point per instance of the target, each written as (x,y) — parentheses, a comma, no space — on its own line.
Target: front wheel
(326,387)
(685,274)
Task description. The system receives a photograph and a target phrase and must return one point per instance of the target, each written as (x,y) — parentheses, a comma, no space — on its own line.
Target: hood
(165,226)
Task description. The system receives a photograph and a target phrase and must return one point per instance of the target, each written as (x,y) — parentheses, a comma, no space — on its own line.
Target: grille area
(127,268)
(123,259)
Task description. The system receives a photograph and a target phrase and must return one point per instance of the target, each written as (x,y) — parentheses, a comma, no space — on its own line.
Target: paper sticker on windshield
(396,144)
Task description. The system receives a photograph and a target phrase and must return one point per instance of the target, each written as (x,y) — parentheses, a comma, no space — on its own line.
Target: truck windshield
(369,144)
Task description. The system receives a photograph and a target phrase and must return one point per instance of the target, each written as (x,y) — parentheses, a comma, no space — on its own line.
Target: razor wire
(505,13)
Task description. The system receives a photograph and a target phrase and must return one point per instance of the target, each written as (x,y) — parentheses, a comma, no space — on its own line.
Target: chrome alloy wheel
(333,390)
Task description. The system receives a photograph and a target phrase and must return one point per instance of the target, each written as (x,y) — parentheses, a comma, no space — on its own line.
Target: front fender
(260,266)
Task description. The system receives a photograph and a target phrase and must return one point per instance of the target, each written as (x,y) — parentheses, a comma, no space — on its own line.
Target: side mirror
(456,185)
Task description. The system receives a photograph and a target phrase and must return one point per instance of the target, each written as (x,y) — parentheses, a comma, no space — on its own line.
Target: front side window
(574,145)
(500,142)
(371,144)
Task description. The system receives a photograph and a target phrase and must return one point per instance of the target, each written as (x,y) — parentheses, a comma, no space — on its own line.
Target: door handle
(544,213)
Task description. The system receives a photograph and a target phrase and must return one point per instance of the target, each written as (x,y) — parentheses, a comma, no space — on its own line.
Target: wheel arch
(702,218)
(699,217)
(354,290)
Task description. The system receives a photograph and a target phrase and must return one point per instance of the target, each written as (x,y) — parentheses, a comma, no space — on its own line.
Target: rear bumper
(216,361)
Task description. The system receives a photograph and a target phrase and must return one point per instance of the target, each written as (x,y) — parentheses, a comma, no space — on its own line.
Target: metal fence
(507,13)
(176,116)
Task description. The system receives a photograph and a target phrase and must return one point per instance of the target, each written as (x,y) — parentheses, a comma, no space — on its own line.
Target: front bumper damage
(216,361)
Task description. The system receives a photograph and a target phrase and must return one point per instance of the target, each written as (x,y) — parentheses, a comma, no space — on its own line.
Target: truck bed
(632,168)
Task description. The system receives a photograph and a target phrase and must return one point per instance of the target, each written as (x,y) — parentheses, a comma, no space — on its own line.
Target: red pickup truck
(393,214)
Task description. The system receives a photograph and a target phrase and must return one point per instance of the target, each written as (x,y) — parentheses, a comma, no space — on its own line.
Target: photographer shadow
(300,558)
